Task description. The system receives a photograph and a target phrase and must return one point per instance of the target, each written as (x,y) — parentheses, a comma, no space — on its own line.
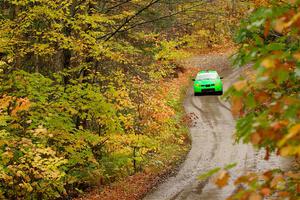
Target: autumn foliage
(82,88)
(266,102)
(85,96)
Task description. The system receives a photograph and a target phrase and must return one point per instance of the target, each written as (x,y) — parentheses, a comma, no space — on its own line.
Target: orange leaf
(283,194)
(262,97)
(268,175)
(255,138)
(269,133)
(267,28)
(222,179)
(22,104)
(276,108)
(277,126)
(241,179)
(266,191)
(237,105)
(255,196)
(297,56)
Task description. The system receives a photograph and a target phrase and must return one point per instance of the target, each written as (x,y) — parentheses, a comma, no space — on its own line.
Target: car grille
(208,85)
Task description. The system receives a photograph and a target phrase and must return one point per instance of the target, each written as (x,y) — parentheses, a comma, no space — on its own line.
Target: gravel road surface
(212,143)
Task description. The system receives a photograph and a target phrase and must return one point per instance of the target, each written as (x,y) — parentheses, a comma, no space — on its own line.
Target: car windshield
(206,76)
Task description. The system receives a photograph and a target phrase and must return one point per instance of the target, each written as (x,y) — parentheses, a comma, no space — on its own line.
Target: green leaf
(230,166)
(208,174)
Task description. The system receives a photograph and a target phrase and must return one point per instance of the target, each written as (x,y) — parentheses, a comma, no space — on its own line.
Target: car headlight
(197,84)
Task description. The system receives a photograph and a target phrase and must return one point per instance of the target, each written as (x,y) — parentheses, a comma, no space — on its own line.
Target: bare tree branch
(172,14)
(110,35)
(115,6)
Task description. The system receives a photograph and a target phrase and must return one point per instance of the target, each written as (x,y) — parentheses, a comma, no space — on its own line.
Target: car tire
(220,93)
(196,94)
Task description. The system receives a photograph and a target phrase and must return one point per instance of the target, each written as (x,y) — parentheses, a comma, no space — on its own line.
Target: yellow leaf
(268,63)
(276,181)
(5,101)
(286,151)
(292,133)
(240,85)
(293,175)
(297,56)
(255,196)
(279,25)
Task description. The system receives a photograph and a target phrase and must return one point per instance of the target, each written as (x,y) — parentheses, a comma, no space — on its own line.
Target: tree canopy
(266,101)
(79,102)
(83,84)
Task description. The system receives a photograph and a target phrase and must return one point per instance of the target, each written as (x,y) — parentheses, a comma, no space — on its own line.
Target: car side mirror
(193,79)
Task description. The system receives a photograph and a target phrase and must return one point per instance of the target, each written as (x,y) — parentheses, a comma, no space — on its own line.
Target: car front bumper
(199,89)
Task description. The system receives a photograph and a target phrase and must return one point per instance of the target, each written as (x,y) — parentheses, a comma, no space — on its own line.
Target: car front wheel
(197,93)
(220,92)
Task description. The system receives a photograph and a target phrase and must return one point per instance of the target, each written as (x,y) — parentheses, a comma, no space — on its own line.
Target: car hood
(206,81)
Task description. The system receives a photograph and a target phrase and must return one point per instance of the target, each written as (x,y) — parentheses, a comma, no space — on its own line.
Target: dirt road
(212,144)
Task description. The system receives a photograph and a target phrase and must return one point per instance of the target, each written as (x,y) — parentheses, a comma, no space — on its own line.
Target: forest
(85,96)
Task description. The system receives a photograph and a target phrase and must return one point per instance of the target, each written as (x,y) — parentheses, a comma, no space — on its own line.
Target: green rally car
(208,81)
